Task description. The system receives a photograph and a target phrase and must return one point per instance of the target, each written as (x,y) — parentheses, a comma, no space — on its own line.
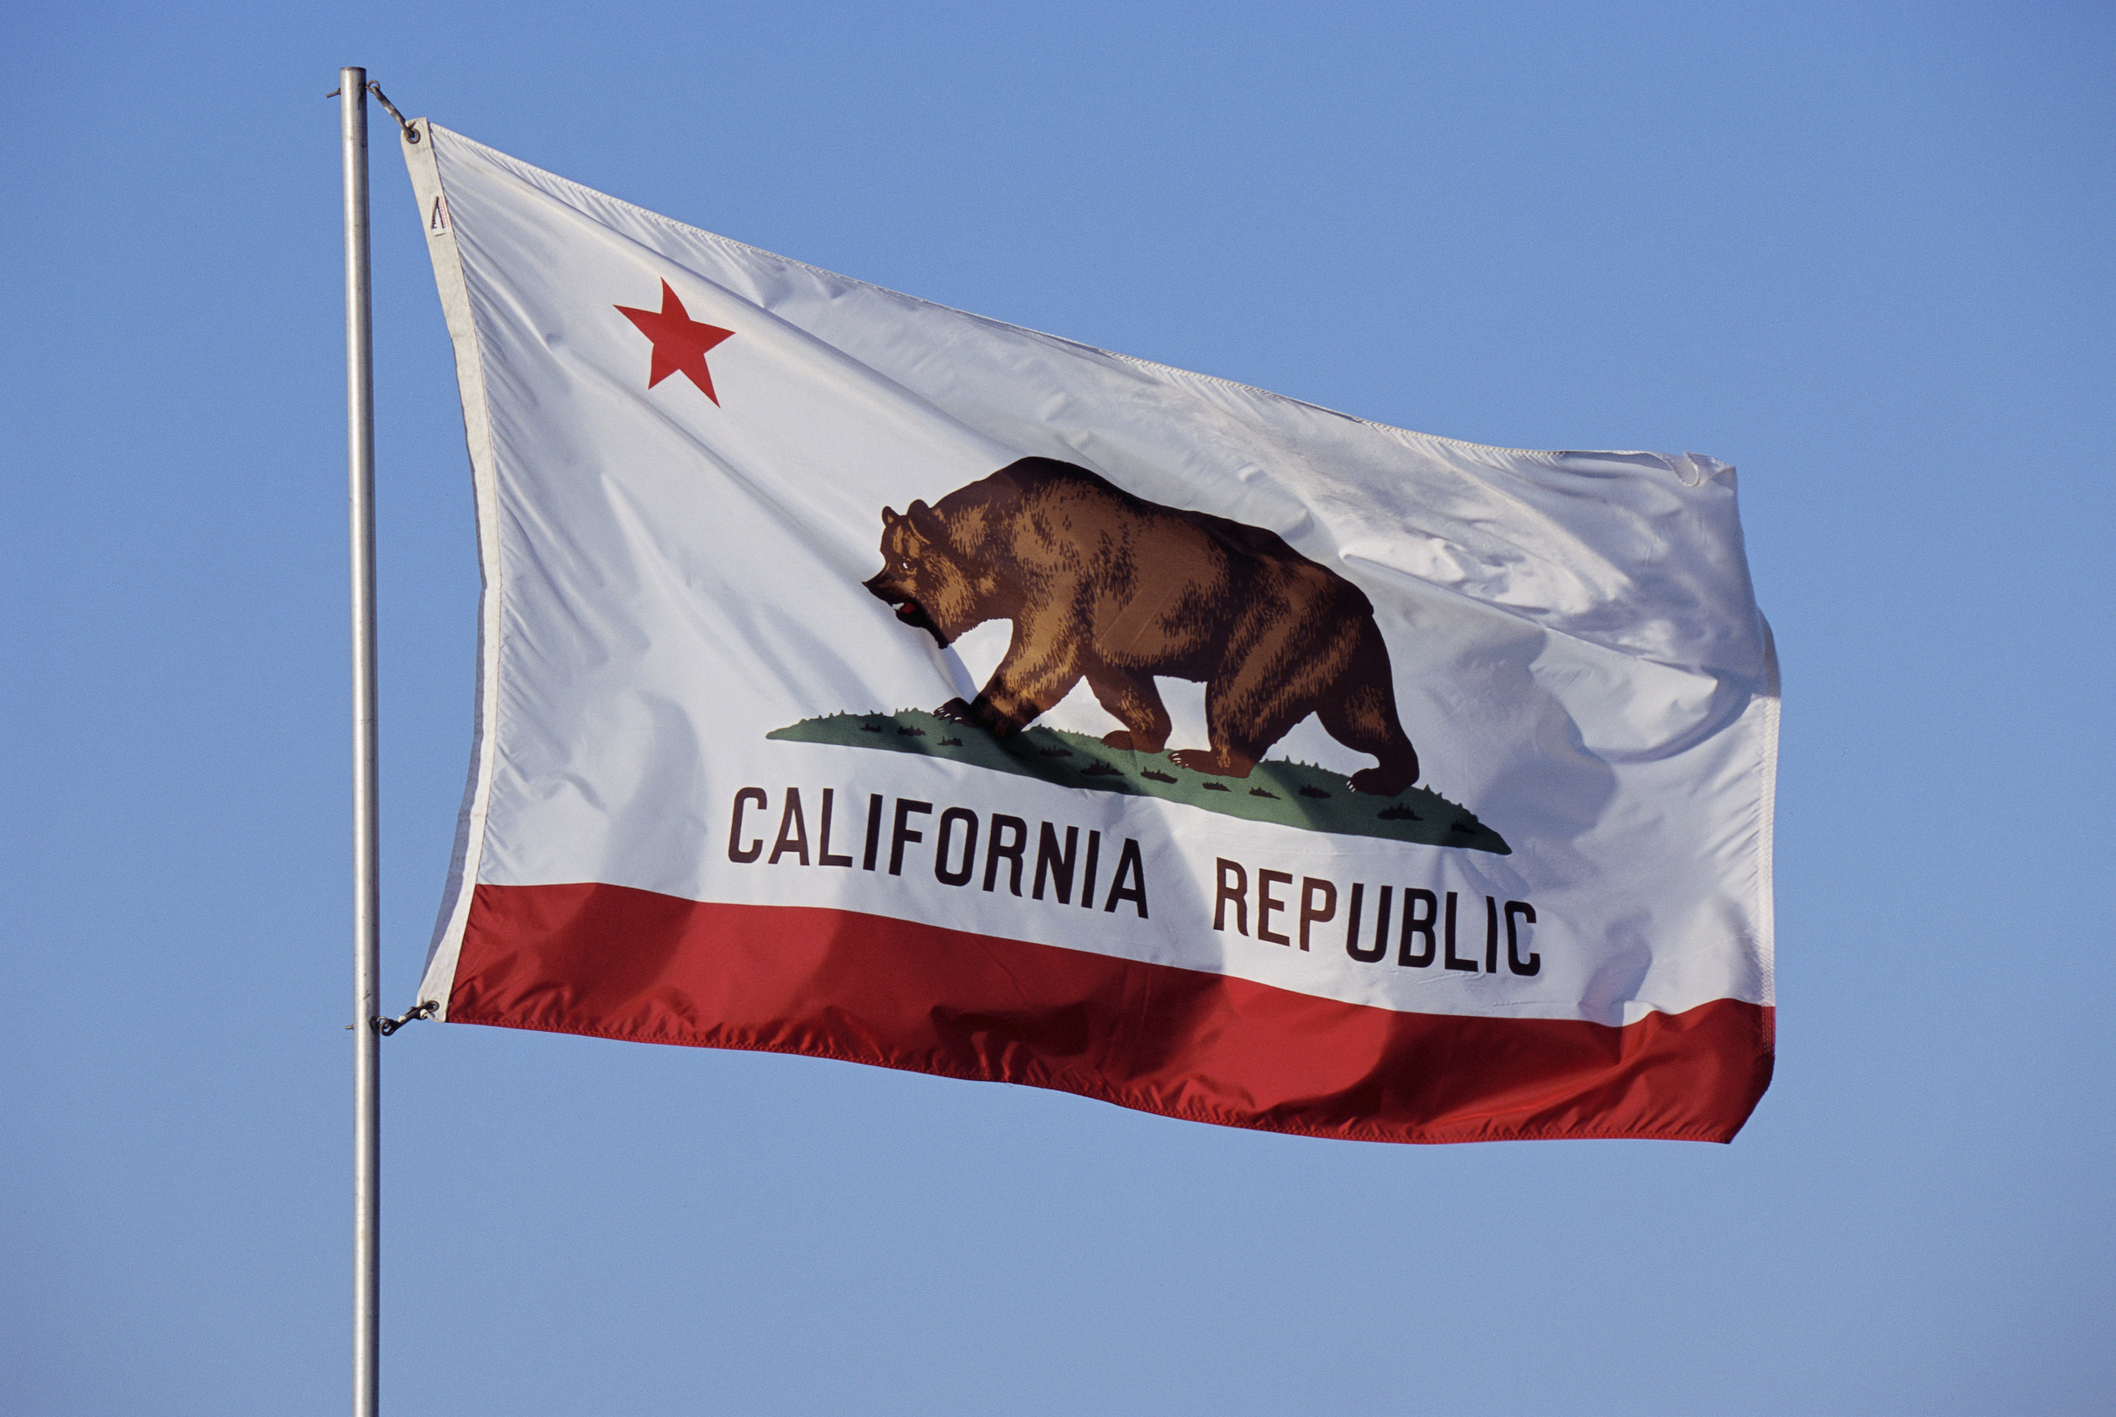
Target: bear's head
(923,576)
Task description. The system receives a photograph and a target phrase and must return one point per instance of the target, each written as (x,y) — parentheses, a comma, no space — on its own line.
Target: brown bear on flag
(1105,586)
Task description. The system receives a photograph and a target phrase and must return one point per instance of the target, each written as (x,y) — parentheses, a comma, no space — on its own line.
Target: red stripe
(622,963)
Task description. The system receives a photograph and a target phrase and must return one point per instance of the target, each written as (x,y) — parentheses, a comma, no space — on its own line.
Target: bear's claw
(1211,763)
(1381,782)
(976,716)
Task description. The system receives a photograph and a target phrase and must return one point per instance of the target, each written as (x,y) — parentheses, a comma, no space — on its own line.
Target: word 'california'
(1060,862)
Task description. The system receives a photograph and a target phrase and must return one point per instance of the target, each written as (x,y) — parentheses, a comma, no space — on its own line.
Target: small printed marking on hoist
(438,223)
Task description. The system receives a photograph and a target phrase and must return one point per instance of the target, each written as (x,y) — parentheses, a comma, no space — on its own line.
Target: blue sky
(1861,251)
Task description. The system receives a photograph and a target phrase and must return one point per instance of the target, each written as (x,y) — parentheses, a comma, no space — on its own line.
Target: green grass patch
(1287,793)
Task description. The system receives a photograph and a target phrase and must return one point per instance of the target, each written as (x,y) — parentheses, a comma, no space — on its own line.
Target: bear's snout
(895,594)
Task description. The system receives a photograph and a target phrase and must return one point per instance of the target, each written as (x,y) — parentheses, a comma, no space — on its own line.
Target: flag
(864,679)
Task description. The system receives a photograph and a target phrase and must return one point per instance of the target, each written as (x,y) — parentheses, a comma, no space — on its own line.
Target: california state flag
(869,680)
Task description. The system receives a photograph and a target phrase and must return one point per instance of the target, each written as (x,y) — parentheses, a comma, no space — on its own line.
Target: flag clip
(387,1026)
(411,134)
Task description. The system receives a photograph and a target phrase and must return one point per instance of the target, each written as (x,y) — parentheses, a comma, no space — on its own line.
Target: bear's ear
(925,522)
(889,518)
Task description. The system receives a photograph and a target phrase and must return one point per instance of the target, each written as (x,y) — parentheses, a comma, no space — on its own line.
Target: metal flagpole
(367,953)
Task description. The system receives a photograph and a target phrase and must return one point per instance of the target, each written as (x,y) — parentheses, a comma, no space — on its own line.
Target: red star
(680,342)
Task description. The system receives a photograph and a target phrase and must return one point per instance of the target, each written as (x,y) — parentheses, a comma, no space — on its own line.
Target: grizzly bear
(1104,586)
